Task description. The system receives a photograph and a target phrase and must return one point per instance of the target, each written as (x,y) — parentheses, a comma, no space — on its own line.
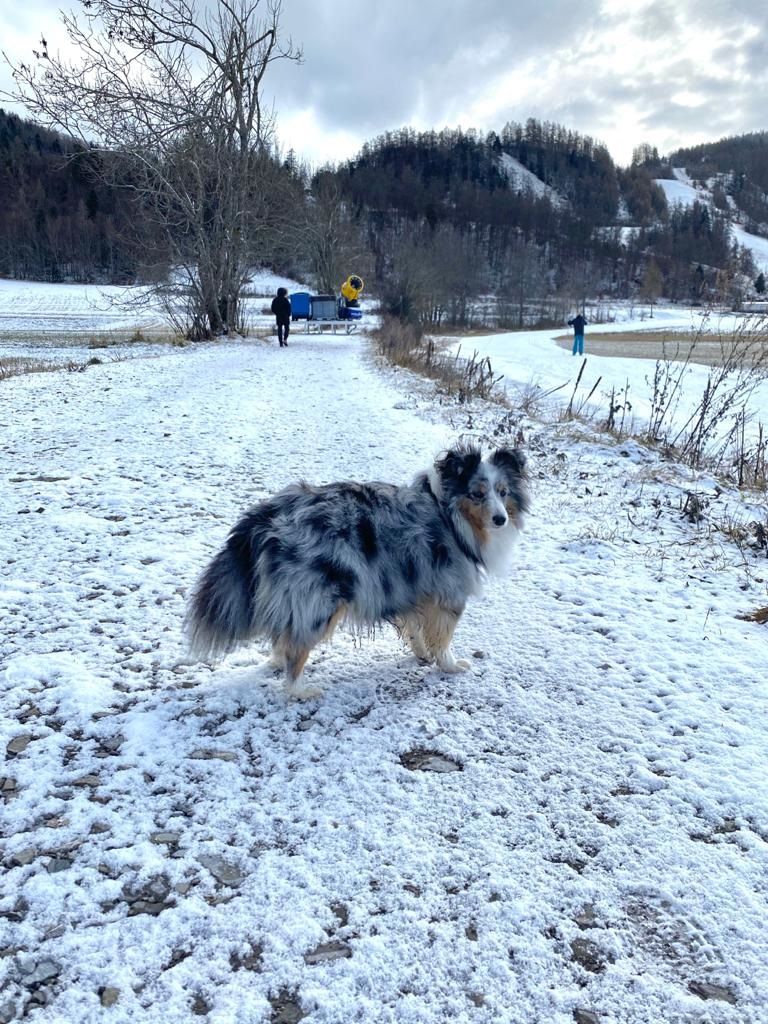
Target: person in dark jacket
(281,307)
(578,324)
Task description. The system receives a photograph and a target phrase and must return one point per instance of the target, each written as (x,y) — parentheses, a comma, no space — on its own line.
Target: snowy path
(182,843)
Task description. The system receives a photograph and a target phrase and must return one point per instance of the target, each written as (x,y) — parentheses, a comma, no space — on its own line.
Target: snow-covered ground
(574,830)
(76,318)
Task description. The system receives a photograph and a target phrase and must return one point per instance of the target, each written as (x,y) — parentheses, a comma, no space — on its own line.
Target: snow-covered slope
(755,243)
(522,180)
(575,829)
(682,190)
(264,282)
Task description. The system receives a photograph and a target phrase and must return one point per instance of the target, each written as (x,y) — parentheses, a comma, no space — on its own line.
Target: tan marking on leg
(295,660)
(438,625)
(334,621)
(410,628)
(277,658)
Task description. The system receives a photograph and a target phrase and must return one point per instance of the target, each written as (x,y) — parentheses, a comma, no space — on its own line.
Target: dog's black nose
(499,520)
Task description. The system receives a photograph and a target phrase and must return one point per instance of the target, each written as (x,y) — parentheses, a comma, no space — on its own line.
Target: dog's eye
(503,492)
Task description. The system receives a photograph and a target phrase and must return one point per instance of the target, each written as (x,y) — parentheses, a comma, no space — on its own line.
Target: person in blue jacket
(578,324)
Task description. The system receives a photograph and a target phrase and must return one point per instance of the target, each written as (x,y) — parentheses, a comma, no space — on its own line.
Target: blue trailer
(321,311)
(300,305)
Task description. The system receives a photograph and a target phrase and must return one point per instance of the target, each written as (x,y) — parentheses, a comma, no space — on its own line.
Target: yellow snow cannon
(352,287)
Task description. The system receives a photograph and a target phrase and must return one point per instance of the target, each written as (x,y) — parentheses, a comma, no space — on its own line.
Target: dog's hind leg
(295,657)
(295,660)
(334,621)
(277,657)
(438,625)
(276,661)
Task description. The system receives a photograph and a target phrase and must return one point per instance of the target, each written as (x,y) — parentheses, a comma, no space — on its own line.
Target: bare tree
(328,238)
(652,285)
(172,98)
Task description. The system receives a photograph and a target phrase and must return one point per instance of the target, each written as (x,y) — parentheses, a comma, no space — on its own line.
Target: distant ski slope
(681,190)
(521,179)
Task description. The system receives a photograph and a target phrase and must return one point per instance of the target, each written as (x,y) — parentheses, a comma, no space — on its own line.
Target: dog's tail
(220,614)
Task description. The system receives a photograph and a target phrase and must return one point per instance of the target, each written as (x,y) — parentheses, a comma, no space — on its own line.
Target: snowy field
(52,322)
(531,362)
(574,830)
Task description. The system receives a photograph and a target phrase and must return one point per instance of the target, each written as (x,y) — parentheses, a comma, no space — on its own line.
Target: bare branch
(171,100)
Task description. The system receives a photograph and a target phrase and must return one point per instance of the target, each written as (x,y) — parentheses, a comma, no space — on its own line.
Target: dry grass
(758,615)
(111,339)
(463,378)
(447,331)
(707,350)
(16,366)
(96,340)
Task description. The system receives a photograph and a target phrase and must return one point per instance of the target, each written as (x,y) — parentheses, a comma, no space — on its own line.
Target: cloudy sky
(667,72)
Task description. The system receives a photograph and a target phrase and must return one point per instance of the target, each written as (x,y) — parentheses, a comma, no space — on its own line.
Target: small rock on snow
(706,990)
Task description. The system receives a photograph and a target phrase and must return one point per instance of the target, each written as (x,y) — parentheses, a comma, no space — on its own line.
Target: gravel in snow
(574,830)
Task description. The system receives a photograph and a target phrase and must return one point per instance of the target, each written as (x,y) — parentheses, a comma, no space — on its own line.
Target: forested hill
(535,215)
(56,221)
(536,210)
(431,173)
(738,167)
(428,173)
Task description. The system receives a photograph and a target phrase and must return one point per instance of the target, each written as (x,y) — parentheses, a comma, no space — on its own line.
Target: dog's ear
(512,460)
(458,464)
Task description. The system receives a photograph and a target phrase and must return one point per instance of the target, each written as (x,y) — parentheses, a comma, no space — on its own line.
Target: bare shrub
(619,408)
(529,398)
(577,408)
(464,379)
(695,507)
(15,366)
(714,431)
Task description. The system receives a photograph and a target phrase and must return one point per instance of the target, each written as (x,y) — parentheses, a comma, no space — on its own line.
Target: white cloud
(624,71)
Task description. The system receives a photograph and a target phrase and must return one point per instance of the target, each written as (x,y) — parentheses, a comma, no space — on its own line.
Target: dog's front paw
(447,663)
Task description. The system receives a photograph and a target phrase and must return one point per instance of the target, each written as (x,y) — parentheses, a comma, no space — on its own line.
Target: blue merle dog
(301,562)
